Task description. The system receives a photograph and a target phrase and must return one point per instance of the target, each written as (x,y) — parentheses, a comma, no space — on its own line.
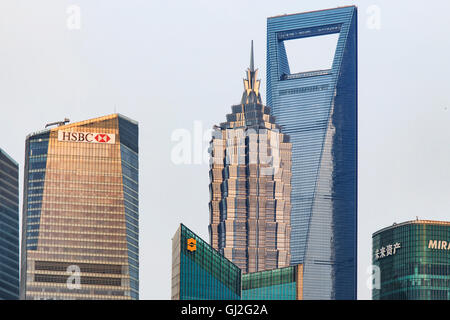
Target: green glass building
(412,261)
(199,272)
(278,284)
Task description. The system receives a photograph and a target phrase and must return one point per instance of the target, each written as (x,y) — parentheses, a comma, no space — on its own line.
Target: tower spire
(251,85)
(252,66)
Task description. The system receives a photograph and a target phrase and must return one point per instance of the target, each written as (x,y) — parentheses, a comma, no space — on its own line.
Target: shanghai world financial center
(318,110)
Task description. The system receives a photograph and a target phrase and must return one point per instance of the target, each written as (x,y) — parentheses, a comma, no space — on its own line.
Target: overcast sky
(169,64)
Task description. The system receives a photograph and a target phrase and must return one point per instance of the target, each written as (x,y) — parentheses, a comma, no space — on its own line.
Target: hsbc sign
(89,137)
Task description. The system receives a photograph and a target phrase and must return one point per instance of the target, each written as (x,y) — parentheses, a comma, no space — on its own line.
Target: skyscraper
(80,211)
(412,261)
(318,110)
(199,272)
(9,227)
(250,173)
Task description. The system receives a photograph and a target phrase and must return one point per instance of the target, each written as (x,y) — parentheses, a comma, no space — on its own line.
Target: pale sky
(169,64)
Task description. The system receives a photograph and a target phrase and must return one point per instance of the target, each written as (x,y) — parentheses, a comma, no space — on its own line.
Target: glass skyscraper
(9,227)
(80,211)
(250,184)
(412,260)
(318,110)
(199,272)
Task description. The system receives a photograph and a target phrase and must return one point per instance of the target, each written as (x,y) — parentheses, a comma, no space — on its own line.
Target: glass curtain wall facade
(413,260)
(80,211)
(250,188)
(278,284)
(199,272)
(318,110)
(9,227)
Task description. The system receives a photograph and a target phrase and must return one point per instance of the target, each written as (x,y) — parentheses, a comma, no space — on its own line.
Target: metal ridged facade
(80,212)
(9,228)
(250,189)
(318,110)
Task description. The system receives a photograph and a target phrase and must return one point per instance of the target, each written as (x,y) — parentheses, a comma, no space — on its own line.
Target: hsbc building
(81,211)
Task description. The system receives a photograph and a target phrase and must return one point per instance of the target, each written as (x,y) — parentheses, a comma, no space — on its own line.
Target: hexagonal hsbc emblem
(191,244)
(102,138)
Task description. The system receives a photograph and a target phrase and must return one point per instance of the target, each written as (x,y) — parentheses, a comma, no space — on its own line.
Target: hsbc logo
(102,138)
(90,137)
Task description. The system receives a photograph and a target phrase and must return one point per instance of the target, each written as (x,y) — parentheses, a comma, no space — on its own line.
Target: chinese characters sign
(388,250)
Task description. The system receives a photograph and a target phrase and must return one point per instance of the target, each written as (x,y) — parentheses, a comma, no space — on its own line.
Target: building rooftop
(292,14)
(417,221)
(83,122)
(8,157)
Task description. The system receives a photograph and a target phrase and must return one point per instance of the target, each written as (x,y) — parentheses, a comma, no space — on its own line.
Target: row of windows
(94,258)
(83,280)
(81,214)
(34,290)
(84,267)
(91,199)
(77,186)
(82,229)
(71,177)
(88,221)
(74,250)
(78,236)
(74,206)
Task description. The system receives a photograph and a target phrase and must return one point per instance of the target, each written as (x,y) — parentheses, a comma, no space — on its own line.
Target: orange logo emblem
(191,244)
